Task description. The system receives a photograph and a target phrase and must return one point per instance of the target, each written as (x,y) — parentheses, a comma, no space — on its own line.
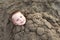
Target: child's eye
(20,16)
(17,20)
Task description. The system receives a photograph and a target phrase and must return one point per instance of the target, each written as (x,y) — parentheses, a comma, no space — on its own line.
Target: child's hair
(10,17)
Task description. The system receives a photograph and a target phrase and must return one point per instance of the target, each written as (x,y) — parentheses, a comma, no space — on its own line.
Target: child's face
(18,18)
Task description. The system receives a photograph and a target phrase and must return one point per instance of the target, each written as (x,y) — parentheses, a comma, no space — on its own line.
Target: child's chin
(22,24)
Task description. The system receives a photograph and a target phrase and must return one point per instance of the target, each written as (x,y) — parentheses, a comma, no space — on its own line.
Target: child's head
(18,18)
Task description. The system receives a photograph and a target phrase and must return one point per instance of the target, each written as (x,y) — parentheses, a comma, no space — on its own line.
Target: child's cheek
(14,22)
(18,23)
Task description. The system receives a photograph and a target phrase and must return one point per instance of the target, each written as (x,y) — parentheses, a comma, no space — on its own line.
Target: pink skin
(18,18)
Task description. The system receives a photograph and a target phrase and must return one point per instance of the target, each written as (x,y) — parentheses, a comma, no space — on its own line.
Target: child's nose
(21,20)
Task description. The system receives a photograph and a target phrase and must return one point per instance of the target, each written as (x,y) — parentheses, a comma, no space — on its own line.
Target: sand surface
(43,20)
